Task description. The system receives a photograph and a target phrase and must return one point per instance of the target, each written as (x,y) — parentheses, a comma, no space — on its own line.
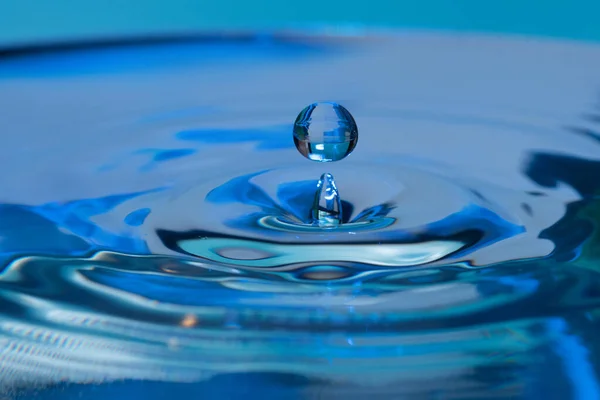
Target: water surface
(156,235)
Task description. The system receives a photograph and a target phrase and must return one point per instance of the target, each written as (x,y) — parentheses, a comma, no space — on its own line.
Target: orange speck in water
(188,321)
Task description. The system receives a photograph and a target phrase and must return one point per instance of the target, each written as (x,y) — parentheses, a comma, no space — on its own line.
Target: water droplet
(325,132)
(327,207)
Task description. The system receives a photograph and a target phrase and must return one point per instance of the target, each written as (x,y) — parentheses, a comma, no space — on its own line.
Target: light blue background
(23,21)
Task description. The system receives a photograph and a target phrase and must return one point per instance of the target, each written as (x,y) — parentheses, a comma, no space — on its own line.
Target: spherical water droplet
(325,132)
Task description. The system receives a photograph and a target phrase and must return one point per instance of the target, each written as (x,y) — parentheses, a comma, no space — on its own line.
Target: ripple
(164,319)
(162,233)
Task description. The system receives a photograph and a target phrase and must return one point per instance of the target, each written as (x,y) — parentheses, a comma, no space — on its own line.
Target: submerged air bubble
(325,132)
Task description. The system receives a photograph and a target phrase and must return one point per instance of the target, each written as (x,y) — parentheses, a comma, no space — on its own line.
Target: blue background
(26,21)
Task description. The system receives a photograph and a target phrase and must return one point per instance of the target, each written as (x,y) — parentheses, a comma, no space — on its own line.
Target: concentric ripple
(161,319)
(262,220)
(157,239)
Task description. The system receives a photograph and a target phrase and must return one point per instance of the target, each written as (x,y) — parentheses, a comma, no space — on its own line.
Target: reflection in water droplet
(325,132)
(327,207)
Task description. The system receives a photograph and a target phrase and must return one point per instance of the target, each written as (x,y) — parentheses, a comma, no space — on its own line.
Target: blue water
(159,236)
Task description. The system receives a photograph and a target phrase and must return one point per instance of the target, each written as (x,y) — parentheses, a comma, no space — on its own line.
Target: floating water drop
(325,132)
(327,207)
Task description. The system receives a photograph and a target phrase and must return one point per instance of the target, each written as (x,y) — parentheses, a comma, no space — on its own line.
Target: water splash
(327,207)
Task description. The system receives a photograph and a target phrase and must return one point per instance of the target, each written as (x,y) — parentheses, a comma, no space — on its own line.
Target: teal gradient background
(26,21)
